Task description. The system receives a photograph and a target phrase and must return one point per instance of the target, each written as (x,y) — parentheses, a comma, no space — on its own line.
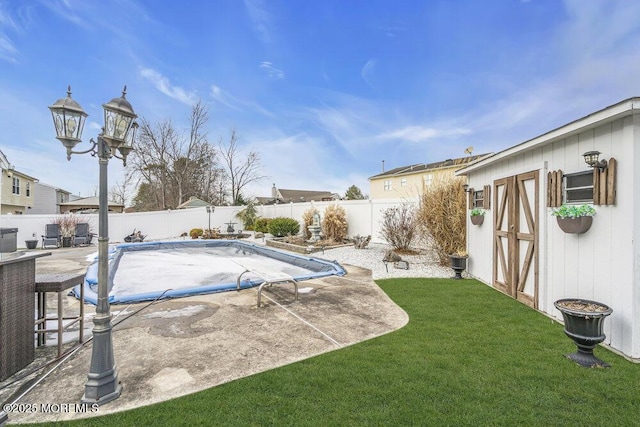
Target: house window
(403,182)
(28,190)
(426,179)
(15,189)
(478,199)
(578,187)
(387,185)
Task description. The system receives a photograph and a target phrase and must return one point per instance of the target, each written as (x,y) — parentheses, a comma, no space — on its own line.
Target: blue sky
(323,90)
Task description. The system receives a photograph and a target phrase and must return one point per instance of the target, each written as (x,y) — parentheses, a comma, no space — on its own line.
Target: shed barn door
(501,267)
(515,260)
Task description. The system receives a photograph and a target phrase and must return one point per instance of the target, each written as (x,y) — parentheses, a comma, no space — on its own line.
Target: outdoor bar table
(17,310)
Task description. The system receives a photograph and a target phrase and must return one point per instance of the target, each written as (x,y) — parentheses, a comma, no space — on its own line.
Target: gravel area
(421,265)
(424,264)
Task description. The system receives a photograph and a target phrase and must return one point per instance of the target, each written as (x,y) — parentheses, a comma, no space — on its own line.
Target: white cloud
(225,98)
(222,97)
(308,164)
(367,71)
(421,134)
(260,17)
(8,50)
(598,28)
(164,85)
(271,71)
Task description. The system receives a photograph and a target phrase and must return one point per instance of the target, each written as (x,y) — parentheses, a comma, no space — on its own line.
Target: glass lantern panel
(128,140)
(122,125)
(72,126)
(58,121)
(109,123)
(116,126)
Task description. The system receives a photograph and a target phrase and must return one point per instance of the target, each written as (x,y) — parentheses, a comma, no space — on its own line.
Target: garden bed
(302,247)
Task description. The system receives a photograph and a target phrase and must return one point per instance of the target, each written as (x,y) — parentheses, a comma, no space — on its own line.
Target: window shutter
(470,197)
(554,189)
(604,184)
(486,193)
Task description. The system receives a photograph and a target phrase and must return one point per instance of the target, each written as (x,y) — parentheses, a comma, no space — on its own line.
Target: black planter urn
(583,322)
(458,264)
(66,242)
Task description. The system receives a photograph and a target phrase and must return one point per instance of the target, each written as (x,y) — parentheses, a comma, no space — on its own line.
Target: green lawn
(469,356)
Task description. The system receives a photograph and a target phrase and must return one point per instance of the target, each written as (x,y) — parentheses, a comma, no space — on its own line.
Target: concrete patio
(176,347)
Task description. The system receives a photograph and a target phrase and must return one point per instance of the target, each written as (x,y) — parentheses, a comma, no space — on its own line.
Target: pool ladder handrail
(269,281)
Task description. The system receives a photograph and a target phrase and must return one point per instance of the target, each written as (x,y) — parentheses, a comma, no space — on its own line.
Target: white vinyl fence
(364,218)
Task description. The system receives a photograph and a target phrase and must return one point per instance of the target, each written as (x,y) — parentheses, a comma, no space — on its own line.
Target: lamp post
(210,210)
(102,384)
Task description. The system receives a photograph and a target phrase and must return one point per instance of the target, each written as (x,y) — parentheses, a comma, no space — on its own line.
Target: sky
(327,92)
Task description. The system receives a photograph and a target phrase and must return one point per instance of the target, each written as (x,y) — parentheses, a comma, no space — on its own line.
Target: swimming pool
(171,269)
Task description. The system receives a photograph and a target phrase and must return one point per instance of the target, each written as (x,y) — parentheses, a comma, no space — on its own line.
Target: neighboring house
(17,190)
(280,195)
(193,202)
(48,199)
(521,251)
(88,205)
(411,181)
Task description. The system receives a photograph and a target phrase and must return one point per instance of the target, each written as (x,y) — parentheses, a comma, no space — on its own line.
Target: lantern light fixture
(591,158)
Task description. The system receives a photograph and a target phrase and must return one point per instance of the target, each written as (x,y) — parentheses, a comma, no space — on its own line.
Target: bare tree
(191,156)
(240,170)
(121,190)
(150,158)
(175,167)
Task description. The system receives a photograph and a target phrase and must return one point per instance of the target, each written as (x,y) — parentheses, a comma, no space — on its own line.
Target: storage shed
(520,249)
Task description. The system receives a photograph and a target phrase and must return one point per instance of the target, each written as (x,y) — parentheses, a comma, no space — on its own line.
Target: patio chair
(81,235)
(51,236)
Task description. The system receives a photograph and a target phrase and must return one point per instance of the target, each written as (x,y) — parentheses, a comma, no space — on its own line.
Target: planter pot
(458,264)
(31,244)
(66,242)
(583,321)
(575,225)
(477,219)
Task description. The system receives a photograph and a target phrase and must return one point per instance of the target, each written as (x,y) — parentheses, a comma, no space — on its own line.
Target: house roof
(624,108)
(53,188)
(5,164)
(88,203)
(423,167)
(307,195)
(295,196)
(193,202)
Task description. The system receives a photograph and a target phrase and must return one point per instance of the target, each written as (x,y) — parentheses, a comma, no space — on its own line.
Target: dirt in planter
(583,306)
(300,241)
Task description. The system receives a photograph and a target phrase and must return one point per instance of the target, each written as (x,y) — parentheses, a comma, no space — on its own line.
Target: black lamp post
(102,384)
(210,210)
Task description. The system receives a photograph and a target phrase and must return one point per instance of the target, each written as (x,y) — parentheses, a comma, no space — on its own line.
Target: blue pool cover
(170,269)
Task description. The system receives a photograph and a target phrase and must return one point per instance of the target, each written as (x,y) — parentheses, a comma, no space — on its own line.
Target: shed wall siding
(603,263)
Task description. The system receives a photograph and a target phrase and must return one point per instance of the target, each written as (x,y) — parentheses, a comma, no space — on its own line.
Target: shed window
(387,185)
(478,199)
(578,187)
(28,190)
(403,182)
(427,179)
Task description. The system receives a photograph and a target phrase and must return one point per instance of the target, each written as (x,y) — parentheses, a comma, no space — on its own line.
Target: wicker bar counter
(17,310)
